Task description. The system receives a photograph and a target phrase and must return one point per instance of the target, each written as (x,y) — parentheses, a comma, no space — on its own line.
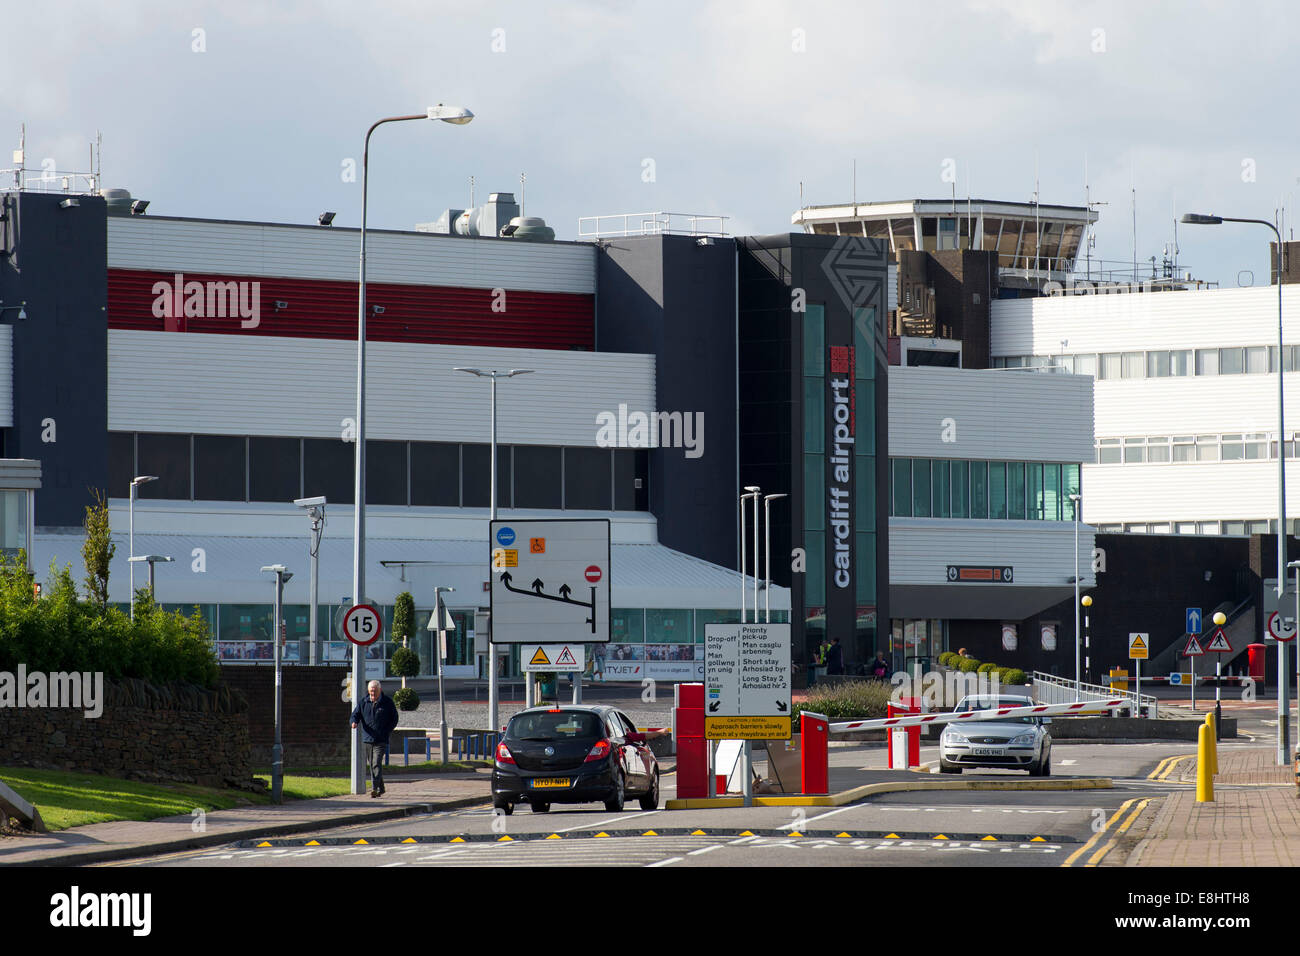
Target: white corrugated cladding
(316,252)
(6,376)
(1042,552)
(891,290)
(1147,320)
(266,385)
(994,414)
(1188,491)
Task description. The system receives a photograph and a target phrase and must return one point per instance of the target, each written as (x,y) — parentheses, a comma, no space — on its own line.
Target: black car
(574,754)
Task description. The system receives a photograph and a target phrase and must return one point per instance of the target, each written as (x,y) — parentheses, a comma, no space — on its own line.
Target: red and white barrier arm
(1036,710)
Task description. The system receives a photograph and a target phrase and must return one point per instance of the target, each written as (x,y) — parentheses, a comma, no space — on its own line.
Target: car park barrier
(814,761)
(990,713)
(689,742)
(904,748)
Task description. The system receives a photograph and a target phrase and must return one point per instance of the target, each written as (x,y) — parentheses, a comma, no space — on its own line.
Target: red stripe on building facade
(322,308)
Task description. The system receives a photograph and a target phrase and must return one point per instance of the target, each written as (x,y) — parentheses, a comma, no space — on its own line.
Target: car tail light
(504,755)
(598,752)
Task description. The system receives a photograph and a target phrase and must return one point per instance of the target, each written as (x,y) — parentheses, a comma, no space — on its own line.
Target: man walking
(377,717)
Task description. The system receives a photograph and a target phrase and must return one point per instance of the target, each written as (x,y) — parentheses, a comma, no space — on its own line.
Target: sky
(259,111)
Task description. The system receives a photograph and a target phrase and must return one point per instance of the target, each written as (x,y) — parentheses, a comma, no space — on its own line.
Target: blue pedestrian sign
(1193,620)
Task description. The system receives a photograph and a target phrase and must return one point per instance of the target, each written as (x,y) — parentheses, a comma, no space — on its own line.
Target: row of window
(436,474)
(1263,526)
(1164,363)
(939,488)
(1234,446)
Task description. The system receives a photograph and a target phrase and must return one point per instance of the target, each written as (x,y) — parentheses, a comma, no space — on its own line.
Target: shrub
(946,658)
(405,663)
(406,698)
(985,668)
(403,620)
(968,664)
(848,700)
(1015,675)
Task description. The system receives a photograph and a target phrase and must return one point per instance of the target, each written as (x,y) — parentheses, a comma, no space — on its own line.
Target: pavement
(1253,821)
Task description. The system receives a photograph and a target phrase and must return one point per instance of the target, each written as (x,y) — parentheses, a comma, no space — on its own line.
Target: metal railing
(651,224)
(1051,689)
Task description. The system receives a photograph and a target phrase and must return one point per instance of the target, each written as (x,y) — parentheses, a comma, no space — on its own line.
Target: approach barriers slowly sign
(747,681)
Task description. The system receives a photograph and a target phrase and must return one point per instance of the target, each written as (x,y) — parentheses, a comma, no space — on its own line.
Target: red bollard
(814,738)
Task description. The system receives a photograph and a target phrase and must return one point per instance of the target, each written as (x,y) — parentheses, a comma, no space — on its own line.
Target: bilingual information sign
(747,681)
(550,581)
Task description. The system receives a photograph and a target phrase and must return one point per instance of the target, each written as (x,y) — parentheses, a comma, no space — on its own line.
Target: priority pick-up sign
(747,681)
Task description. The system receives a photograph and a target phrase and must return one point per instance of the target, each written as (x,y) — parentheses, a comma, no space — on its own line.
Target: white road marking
(1067,763)
(604,823)
(706,849)
(668,862)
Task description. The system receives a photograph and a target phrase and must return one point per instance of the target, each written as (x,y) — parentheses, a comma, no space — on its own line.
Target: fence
(1051,689)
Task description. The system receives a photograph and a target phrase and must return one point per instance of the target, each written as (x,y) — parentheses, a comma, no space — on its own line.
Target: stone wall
(314,727)
(175,732)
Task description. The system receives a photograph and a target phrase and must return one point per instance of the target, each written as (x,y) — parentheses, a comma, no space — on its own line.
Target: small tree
(405,662)
(98,549)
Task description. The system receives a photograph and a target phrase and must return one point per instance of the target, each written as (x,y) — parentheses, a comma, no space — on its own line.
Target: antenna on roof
(523,193)
(471,192)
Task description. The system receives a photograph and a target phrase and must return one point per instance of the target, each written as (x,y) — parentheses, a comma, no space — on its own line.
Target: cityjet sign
(839,476)
(207,300)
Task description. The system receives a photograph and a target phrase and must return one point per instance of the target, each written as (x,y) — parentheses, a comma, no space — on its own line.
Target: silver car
(1016,743)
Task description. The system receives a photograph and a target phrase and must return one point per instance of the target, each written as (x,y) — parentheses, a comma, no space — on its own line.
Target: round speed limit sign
(362,624)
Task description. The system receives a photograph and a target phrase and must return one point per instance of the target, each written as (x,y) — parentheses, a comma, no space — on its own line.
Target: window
(385,473)
(627,624)
(921,488)
(1180,362)
(435,474)
(168,457)
(1256,445)
(631,465)
(1108,451)
(537,477)
(902,506)
(1233,448)
(1185,527)
(1234,527)
(1207,361)
(1232,361)
(1184,448)
(1016,490)
(1207,447)
(1207,527)
(1135,450)
(941,507)
(220,468)
(275,469)
(1053,505)
(587,474)
(979,489)
(1257,360)
(1036,509)
(1110,365)
(1158,449)
(121,462)
(1086,365)
(329,469)
(1131,365)
(959,489)
(1257,527)
(475,482)
(1157,364)
(997,489)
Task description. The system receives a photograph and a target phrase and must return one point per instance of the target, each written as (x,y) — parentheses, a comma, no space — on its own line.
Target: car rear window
(548,725)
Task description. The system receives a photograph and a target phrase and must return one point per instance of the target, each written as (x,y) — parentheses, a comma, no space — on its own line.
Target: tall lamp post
(767,547)
(1086,601)
(493,688)
(136,482)
(754,492)
(1077,500)
(448,114)
(282,577)
(1283,695)
(1221,619)
(315,508)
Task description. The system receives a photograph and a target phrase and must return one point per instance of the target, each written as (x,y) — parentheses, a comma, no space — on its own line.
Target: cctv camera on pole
(315,508)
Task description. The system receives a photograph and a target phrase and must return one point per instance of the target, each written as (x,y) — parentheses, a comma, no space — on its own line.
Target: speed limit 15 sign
(362,624)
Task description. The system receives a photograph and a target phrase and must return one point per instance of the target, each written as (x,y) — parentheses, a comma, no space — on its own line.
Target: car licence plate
(988,752)
(537,783)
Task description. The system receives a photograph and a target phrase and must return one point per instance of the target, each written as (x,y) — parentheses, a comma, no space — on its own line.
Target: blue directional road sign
(1193,620)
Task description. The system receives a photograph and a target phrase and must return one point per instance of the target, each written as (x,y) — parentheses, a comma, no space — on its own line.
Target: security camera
(377,309)
(281,304)
(309,502)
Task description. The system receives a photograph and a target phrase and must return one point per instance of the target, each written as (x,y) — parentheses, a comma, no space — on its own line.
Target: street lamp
(1283,695)
(1077,500)
(136,482)
(282,577)
(767,544)
(492,516)
(1294,630)
(151,559)
(1221,619)
(448,114)
(754,492)
(440,622)
(315,508)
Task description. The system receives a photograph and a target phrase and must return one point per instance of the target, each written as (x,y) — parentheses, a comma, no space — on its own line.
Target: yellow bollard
(1214,744)
(1204,776)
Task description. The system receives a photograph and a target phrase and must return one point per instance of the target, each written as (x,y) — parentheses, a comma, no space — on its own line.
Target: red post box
(688,735)
(814,760)
(1255,654)
(906,705)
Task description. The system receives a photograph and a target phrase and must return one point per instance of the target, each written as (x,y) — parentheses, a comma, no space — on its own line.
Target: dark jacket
(376,719)
(835,660)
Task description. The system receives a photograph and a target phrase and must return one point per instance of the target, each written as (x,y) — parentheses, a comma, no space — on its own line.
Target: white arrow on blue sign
(1193,620)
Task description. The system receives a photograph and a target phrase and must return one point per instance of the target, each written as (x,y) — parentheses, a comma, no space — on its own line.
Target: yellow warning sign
(747,728)
(505,558)
(1137,647)
(540,657)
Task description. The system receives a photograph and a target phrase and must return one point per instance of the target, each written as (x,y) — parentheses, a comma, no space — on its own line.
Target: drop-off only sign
(747,681)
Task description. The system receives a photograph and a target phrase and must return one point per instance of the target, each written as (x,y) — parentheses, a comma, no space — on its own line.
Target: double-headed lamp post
(1283,730)
(448,114)
(136,482)
(493,685)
